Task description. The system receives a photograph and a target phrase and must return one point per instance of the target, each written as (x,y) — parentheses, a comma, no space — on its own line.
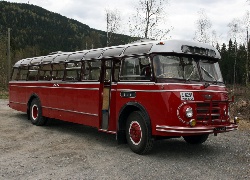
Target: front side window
(210,71)
(175,67)
(135,68)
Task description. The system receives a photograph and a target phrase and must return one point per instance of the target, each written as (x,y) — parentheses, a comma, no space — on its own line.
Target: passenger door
(106,94)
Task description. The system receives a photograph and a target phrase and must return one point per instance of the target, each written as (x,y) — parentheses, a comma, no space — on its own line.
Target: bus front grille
(208,112)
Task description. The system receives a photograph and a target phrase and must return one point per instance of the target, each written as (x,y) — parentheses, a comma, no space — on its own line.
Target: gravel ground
(64,150)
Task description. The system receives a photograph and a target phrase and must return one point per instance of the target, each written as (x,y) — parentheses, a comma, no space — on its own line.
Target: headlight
(189,112)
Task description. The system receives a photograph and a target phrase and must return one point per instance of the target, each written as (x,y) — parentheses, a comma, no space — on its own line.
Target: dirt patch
(244,125)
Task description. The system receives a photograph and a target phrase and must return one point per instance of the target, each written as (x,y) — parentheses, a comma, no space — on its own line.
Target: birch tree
(149,22)
(113,20)
(246,24)
(202,34)
(234,32)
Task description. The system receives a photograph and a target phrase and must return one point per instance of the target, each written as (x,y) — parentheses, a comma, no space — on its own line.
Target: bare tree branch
(203,26)
(149,16)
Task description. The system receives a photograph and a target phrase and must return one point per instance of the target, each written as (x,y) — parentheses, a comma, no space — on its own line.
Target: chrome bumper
(196,130)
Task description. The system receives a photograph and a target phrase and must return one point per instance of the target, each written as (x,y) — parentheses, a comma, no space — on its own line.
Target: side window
(91,70)
(33,72)
(135,68)
(73,71)
(15,74)
(85,70)
(58,71)
(107,71)
(45,72)
(23,73)
(117,65)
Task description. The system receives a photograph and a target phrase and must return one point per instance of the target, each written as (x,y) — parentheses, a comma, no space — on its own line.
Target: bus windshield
(186,68)
(175,67)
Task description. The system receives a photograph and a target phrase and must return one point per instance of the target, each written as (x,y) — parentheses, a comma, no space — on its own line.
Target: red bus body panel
(80,103)
(74,102)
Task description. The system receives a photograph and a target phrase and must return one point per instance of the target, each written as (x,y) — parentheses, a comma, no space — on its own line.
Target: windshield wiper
(188,79)
(208,74)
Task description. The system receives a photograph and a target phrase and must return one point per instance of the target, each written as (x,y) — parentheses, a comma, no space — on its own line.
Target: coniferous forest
(36,31)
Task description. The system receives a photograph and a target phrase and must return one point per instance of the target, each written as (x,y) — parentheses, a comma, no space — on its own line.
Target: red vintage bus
(140,92)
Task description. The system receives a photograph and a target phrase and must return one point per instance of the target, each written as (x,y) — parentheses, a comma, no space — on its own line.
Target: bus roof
(133,49)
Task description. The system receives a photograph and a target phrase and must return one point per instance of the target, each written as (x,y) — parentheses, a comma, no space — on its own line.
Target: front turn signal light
(192,122)
(236,120)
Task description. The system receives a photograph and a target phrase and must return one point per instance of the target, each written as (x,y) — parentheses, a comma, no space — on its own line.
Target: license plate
(220,129)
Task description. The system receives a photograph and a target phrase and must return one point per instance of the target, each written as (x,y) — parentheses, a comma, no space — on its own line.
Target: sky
(180,15)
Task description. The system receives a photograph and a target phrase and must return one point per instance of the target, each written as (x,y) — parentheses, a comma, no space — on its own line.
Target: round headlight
(189,112)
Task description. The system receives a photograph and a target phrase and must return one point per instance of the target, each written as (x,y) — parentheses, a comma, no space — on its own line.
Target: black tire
(138,133)
(198,139)
(36,113)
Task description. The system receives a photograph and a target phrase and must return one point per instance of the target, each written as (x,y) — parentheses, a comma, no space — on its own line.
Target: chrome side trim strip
(136,83)
(182,84)
(53,82)
(58,109)
(54,87)
(14,102)
(173,90)
(185,84)
(70,111)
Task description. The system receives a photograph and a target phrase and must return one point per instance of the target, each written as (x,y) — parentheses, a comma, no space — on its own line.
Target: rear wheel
(36,113)
(198,139)
(138,133)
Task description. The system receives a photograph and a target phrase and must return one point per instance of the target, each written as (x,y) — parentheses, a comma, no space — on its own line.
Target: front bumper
(196,130)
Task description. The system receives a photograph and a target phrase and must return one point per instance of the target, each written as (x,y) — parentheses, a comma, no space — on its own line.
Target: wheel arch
(32,96)
(125,111)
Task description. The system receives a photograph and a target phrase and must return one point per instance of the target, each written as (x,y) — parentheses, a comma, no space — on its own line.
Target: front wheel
(36,113)
(138,133)
(197,139)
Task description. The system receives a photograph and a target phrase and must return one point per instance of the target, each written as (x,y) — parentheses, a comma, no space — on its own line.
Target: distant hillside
(36,31)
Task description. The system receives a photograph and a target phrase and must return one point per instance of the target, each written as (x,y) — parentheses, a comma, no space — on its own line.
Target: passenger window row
(77,71)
